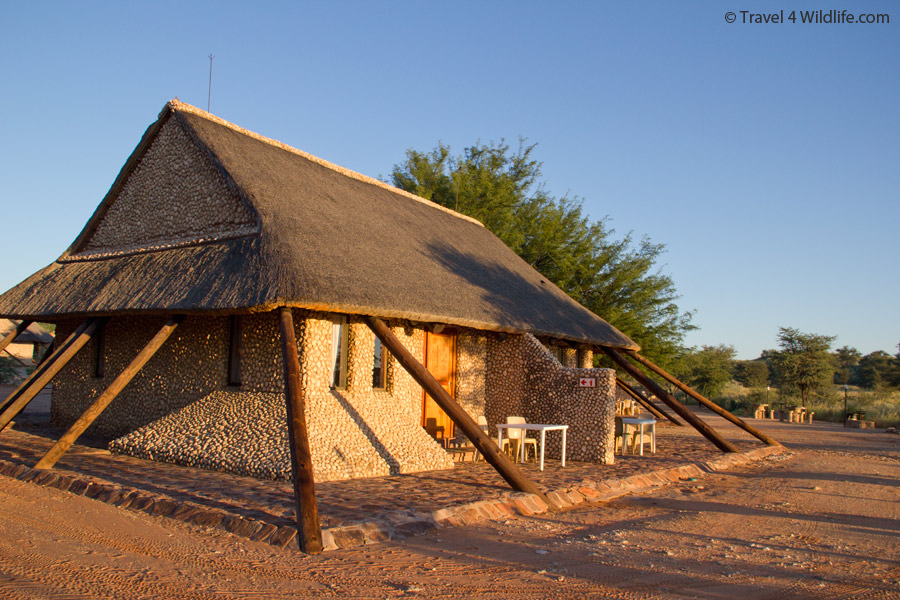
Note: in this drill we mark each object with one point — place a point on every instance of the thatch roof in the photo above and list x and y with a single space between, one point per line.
33 334
326 239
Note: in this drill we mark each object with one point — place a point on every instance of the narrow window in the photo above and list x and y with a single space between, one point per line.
379 366
100 357
340 337
234 350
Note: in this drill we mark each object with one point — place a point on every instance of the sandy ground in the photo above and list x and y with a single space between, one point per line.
822 522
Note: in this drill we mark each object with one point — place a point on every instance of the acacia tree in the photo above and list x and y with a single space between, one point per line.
751 373
846 365
706 370
803 362
617 279
878 369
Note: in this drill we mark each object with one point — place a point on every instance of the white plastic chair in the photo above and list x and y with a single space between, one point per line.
620 439
519 436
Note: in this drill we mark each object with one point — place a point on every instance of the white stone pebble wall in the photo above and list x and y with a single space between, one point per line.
173 196
524 379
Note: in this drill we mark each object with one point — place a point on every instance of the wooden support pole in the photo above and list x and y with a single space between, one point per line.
484 444
46 355
41 367
309 531
669 400
702 399
645 402
108 395
25 393
7 340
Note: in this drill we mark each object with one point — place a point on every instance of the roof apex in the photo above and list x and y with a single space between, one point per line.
176 105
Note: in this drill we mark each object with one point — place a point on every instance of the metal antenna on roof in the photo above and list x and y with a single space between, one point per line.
209 96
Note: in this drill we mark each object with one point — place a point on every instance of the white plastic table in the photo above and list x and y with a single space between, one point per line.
641 422
543 428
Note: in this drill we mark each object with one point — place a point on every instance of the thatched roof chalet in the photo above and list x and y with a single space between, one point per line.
287 228
34 334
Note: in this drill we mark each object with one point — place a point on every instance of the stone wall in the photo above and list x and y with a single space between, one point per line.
585 358
524 379
190 365
173 196
471 371
180 408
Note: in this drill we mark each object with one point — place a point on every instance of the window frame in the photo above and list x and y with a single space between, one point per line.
382 357
340 360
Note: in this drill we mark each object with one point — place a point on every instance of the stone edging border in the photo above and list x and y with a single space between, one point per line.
396 525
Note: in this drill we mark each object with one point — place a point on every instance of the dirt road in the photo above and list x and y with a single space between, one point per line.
822 522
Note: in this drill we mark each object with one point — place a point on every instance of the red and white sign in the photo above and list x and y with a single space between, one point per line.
587 382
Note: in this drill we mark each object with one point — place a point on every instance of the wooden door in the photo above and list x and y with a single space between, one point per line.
440 360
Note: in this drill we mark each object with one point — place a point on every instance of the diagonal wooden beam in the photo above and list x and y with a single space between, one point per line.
485 445
645 402
20 398
108 395
7 340
701 399
669 400
47 353
309 531
42 366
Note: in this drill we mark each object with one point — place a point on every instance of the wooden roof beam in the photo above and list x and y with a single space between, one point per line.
645 402
670 400
20 328
702 399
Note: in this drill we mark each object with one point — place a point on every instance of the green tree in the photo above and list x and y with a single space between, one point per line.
706 370
8 372
751 373
878 369
803 362
846 363
618 279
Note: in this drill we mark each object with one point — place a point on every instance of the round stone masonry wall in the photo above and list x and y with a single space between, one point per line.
525 379
174 195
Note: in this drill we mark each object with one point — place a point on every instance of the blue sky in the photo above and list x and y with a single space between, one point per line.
765 157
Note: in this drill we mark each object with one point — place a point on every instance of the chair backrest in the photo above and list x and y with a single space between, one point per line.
515 434
482 420
431 427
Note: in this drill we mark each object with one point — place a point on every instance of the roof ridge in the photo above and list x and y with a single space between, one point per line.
176 104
